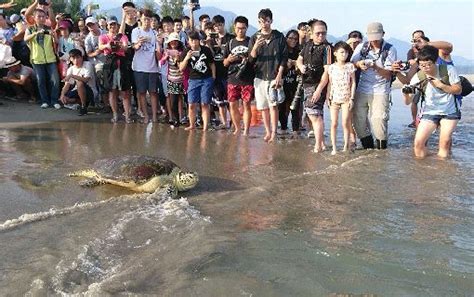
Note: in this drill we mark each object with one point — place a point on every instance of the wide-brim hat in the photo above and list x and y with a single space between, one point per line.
12 62
173 37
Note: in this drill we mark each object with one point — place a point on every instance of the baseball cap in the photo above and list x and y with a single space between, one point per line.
375 31
112 19
91 20
14 18
173 37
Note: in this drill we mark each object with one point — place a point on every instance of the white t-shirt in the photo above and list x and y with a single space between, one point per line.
85 71
25 71
341 82
144 59
436 101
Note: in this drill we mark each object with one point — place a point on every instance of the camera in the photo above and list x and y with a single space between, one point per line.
409 89
196 4
214 35
368 62
404 66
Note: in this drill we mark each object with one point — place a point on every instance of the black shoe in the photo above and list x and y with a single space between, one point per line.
381 144
367 142
82 111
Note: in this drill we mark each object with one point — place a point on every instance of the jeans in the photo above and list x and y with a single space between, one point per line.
48 78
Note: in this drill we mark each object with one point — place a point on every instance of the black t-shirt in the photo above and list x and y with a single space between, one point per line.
130 52
315 57
239 48
221 70
200 65
290 73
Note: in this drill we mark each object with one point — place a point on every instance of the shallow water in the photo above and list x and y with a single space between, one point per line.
265 220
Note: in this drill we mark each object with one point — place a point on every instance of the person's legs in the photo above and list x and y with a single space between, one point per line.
423 133
346 125
113 104
273 122
206 116
127 105
81 91
360 119
194 99
54 83
446 130
379 116
142 104
235 115
41 78
192 116
316 121
334 118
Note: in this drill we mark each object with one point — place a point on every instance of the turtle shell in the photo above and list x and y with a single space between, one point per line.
134 168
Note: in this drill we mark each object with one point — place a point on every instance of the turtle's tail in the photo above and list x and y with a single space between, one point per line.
83 173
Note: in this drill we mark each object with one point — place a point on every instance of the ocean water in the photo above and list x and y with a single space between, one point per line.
265 220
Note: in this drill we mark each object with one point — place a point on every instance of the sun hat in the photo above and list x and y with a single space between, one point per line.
12 62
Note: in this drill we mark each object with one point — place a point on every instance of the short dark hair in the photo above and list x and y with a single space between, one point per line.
186 17
265 13
218 19
193 35
418 31
355 34
425 38
209 26
301 25
103 18
428 53
204 16
75 53
128 4
177 20
315 22
157 17
147 13
345 46
242 20
167 19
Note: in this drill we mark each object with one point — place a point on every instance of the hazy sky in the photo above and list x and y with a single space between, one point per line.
441 20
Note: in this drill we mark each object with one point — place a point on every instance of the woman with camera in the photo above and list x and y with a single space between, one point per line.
439 84
116 73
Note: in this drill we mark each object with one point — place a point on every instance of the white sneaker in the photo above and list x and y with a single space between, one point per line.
57 106
44 105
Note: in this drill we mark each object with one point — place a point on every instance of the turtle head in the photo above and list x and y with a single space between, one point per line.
186 180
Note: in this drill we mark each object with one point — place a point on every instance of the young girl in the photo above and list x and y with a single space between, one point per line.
174 102
340 93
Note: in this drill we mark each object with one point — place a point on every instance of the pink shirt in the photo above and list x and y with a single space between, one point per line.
106 39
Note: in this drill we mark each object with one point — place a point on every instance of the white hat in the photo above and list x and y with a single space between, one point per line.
375 31
173 37
91 20
10 62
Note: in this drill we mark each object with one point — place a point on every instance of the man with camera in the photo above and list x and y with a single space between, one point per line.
439 105
240 75
372 98
270 54
41 40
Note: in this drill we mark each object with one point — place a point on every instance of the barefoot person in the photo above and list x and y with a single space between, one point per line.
439 105
241 75
200 61
270 55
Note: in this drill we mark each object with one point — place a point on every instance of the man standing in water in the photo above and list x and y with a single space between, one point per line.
270 55
372 98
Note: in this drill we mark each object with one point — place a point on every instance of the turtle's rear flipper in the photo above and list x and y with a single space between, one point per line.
90 182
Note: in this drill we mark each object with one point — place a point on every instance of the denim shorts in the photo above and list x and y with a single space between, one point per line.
438 117
146 81
200 90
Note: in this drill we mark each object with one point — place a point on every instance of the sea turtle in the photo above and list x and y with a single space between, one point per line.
139 173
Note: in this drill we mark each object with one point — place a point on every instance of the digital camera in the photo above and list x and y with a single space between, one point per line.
214 35
196 4
404 66
409 89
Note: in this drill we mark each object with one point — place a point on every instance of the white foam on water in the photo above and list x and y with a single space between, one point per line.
100 260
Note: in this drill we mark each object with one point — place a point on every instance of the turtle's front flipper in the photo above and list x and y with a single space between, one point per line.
167 191
91 182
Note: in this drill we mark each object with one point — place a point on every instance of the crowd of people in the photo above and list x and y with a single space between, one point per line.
196 76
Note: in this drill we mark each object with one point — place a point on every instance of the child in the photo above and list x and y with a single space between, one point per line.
340 93
174 102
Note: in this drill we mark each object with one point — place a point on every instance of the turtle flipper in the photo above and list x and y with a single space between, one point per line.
91 182
168 190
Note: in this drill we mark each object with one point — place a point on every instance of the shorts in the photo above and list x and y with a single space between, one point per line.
437 118
263 97
314 109
176 88
146 81
219 97
74 94
236 92
200 90
338 105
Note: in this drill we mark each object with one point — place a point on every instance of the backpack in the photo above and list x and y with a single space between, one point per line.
364 52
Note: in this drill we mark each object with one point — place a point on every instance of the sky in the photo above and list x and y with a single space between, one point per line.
441 20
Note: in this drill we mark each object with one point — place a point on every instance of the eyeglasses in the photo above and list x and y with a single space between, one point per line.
323 33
